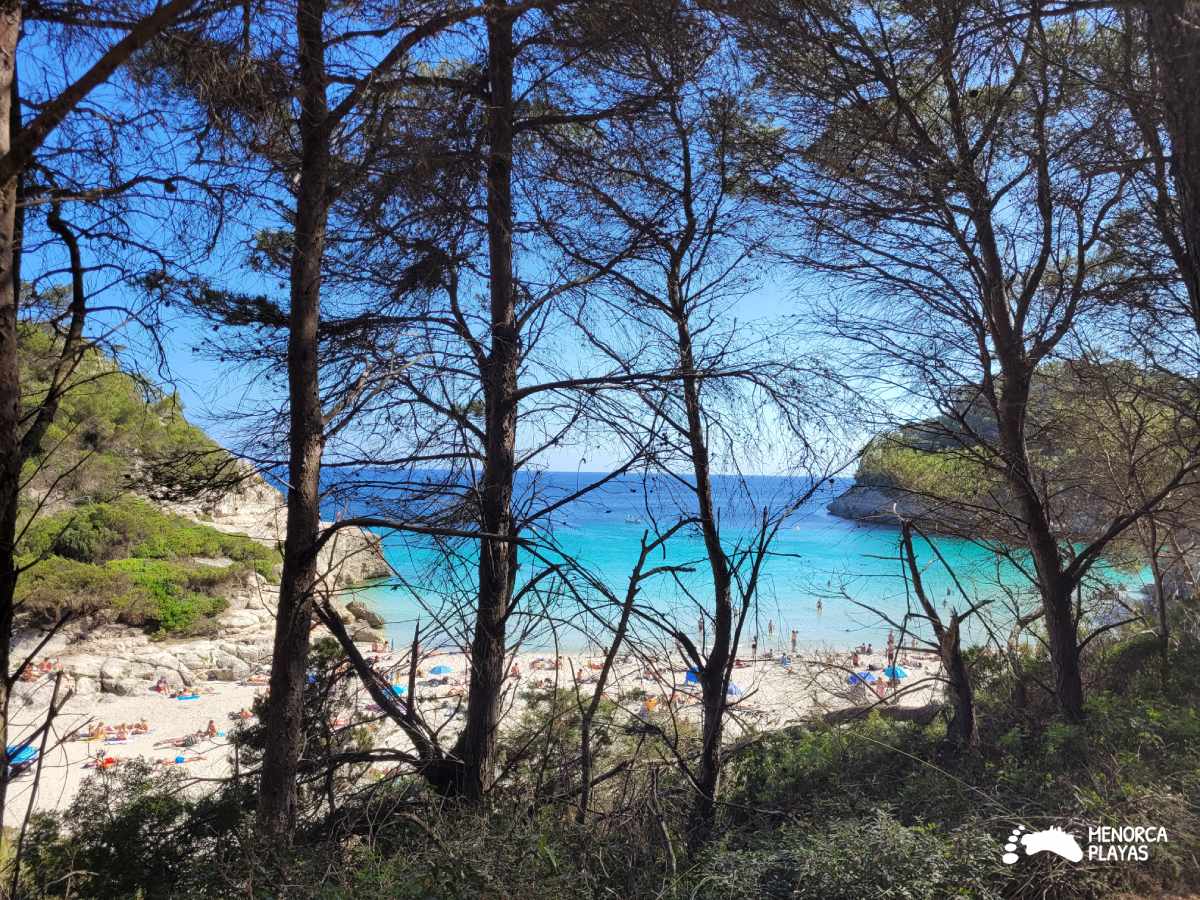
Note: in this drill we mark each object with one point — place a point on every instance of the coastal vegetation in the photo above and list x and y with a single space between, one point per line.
813 811
423 251
131 558
88 544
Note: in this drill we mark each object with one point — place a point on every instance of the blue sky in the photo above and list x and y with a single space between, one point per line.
212 391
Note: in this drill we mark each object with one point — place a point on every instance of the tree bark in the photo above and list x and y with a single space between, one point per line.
1011 397
961 730
10 380
1173 31
284 735
714 675
497 557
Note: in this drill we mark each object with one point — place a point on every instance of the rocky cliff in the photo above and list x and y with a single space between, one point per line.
878 505
98 654
259 511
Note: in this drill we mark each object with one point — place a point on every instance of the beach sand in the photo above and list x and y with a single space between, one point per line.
772 695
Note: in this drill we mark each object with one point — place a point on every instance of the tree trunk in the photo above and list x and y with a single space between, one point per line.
1173 30
714 675
1011 395
284 736
10 382
961 730
497 556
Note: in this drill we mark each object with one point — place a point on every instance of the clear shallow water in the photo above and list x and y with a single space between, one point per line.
814 557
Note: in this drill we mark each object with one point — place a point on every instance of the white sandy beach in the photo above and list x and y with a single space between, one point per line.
771 695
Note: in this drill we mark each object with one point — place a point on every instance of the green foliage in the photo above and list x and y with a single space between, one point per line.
110 427
848 859
889 461
132 832
164 597
1133 761
128 556
129 526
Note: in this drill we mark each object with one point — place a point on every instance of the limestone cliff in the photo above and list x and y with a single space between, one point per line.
259 511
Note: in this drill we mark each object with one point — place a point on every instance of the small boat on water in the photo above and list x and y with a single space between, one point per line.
632 520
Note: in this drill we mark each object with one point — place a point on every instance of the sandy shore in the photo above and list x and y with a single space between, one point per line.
769 694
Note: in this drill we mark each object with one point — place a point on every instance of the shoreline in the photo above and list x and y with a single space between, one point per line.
770 695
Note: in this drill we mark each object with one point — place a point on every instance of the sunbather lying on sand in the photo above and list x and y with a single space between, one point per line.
177 760
188 740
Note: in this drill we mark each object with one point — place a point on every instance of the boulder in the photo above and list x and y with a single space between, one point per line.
241 618
114 669
364 613
126 687
369 636
227 667
82 665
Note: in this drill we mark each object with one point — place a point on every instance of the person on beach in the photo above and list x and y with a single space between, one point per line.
796 635
854 659
754 647
770 628
211 730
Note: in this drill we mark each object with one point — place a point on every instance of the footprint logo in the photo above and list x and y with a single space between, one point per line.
1010 848
1051 840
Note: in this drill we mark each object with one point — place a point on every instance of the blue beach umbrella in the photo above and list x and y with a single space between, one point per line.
894 672
862 678
441 670
399 690
733 690
692 677
20 755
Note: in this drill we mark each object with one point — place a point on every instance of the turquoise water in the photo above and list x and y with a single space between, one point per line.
817 567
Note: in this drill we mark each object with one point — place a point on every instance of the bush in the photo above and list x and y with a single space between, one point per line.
166 597
849 859
111 427
132 832
130 527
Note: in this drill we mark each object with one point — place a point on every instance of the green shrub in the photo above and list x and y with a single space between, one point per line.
129 526
132 832
165 597
111 429
850 859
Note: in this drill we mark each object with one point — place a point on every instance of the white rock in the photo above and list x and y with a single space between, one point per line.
82 665
240 618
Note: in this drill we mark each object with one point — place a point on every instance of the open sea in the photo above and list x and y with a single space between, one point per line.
817 572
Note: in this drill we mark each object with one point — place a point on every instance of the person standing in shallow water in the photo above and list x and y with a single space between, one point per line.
795 635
